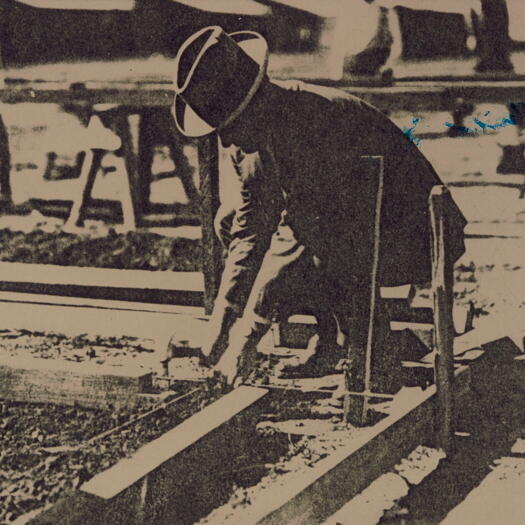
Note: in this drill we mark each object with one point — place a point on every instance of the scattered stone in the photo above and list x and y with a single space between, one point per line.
419 464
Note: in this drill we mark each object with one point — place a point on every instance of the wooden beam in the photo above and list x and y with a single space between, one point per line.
64 382
152 328
100 304
184 288
127 125
170 478
5 168
367 453
442 285
211 247
438 94
356 408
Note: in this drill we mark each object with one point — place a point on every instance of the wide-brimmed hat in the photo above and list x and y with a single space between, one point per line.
216 76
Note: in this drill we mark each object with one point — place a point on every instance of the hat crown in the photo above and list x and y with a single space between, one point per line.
214 74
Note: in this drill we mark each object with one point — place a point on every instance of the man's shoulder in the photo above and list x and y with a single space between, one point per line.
331 94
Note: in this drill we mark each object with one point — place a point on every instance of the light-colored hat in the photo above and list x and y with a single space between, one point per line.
216 76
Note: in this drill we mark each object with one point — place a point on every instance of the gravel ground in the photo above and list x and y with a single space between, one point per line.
132 251
46 345
33 473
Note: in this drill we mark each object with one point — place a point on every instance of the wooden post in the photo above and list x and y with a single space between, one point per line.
5 156
442 286
211 247
356 407
493 40
5 169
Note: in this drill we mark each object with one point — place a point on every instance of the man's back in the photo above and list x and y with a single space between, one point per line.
320 145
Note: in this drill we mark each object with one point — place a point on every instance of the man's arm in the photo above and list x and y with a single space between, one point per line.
255 220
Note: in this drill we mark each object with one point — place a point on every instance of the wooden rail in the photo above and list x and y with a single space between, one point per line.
401 95
152 485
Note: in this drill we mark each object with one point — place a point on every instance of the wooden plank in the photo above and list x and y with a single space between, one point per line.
184 288
418 93
442 286
516 180
133 204
111 482
64 382
100 304
212 249
156 326
404 292
183 470
323 489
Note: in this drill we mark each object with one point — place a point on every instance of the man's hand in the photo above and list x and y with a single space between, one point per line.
217 333
202 338
187 341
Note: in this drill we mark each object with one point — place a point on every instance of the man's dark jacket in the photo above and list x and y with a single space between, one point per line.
315 158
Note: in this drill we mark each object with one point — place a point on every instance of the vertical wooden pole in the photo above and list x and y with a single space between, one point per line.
361 404
211 247
493 39
442 286
5 169
5 155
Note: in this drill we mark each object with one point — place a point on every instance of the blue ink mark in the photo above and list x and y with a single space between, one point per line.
462 129
505 121
509 120
409 132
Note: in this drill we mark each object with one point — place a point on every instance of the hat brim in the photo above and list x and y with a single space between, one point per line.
187 120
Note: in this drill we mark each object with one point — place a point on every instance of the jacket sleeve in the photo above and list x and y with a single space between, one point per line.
257 213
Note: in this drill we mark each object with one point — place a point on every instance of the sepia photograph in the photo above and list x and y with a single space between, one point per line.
262 262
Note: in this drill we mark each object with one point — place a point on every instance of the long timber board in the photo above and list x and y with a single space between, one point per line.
164 287
402 95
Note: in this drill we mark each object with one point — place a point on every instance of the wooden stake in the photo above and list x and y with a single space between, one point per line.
209 185
442 286
5 155
360 404
5 169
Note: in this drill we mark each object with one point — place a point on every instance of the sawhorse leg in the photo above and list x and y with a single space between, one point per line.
90 167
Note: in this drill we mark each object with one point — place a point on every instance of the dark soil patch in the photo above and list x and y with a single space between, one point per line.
132 251
32 474
31 477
